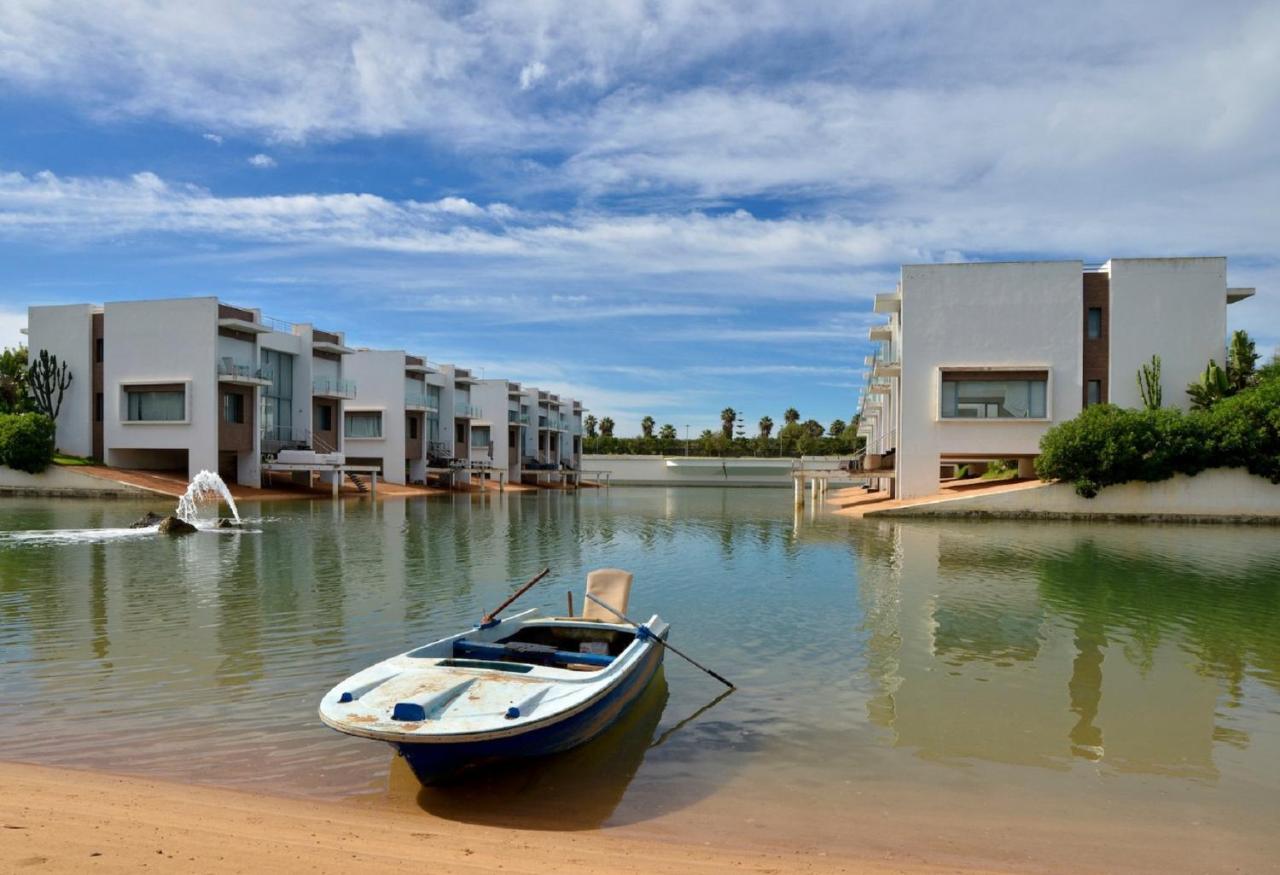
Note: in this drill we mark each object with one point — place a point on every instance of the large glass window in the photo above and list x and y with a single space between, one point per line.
991 398
480 436
433 427
1095 323
156 405
277 399
363 423
433 397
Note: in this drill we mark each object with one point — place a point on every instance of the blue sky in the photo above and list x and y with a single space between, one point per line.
658 207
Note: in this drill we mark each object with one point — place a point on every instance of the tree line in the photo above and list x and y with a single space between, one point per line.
795 438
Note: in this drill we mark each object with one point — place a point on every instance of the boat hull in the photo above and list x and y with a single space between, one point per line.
439 762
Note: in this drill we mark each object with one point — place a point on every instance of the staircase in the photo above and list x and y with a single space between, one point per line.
358 481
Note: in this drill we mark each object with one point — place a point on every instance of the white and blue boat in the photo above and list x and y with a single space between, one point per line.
520 686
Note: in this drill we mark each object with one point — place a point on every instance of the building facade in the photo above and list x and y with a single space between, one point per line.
191 384
975 362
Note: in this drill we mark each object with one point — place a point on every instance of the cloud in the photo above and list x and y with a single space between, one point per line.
213 138
262 161
531 74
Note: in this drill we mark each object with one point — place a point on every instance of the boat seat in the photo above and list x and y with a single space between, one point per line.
613 587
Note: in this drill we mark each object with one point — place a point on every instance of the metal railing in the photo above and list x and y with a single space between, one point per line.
514 416
333 388
229 368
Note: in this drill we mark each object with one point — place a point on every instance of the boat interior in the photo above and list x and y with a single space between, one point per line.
565 642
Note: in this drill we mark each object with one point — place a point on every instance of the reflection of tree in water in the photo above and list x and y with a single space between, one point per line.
1229 618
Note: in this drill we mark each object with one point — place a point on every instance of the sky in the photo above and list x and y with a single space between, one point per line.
660 208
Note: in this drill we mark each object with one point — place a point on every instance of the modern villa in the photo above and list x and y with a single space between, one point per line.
194 383
975 362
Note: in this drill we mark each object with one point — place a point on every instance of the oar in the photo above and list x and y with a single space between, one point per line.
671 647
489 617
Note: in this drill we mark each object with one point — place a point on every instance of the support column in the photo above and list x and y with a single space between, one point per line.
799 483
373 481
1026 468
336 479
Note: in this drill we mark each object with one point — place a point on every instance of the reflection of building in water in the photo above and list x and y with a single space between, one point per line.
1032 645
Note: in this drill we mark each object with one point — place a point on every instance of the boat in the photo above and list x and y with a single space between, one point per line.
519 686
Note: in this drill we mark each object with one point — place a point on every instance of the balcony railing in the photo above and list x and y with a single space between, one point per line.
230 368
419 399
333 388
466 411
515 416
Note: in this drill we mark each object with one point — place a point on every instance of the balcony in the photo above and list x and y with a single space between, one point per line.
420 401
517 418
231 371
466 411
323 387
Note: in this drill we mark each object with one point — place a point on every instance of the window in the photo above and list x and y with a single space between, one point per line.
277 399
433 429
97 407
411 424
994 395
1094 328
480 437
233 408
324 418
1095 392
156 405
363 423
433 397
97 350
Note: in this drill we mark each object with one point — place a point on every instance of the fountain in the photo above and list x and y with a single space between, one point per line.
204 485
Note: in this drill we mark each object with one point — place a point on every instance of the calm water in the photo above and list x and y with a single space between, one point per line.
1077 671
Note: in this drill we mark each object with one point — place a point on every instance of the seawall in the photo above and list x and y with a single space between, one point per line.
65 482
699 470
1219 495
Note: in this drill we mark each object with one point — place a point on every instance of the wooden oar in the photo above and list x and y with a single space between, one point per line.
685 657
489 617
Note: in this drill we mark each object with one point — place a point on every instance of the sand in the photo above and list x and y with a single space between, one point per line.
59 820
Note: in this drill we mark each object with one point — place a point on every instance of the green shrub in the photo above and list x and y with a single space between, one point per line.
26 441
1106 445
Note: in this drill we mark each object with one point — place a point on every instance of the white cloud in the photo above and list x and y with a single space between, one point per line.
11 324
262 161
216 139
531 74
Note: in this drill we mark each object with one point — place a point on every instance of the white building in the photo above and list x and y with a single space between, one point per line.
192 383
976 362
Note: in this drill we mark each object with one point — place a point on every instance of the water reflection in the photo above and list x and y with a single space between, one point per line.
1131 647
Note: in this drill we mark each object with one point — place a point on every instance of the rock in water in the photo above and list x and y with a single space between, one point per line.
147 521
226 524
171 525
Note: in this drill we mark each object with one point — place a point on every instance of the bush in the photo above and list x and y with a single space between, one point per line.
26 441
1106 445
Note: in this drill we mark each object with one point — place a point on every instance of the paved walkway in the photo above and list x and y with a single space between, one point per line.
857 503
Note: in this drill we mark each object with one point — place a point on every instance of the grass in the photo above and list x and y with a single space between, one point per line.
70 461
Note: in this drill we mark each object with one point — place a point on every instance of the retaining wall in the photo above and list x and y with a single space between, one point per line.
64 482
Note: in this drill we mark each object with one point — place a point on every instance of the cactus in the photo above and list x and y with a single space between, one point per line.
1149 384
1212 387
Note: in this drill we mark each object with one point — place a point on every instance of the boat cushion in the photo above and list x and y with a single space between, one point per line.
613 587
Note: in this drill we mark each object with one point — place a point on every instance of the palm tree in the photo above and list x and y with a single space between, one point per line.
590 423
727 416
646 426
837 428
667 433
606 427
766 427
1242 361
813 428
792 416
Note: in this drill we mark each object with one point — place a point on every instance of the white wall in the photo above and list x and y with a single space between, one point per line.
1025 314
491 397
165 341
67 332
1172 307
689 471
1218 492
379 376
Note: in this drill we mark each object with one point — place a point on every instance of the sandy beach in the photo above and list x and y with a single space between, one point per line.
62 820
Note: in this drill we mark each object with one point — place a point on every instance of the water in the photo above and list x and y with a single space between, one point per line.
203 488
983 692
